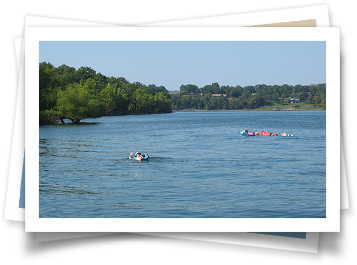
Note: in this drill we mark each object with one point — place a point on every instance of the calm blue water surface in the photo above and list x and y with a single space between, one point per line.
200 166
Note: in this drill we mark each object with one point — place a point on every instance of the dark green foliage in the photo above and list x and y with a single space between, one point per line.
249 97
76 103
67 93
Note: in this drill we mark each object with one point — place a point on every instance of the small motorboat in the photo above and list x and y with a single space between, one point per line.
139 156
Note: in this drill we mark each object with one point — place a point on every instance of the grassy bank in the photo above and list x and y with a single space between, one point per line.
296 106
272 107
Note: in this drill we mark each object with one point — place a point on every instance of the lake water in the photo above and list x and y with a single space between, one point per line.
199 167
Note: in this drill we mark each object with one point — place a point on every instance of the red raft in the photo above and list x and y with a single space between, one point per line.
246 133
267 134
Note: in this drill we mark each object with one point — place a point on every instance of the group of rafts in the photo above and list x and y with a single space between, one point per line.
140 157
262 133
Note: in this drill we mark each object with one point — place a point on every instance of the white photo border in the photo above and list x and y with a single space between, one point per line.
33 35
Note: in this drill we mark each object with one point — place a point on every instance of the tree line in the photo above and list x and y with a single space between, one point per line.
248 97
69 93
76 94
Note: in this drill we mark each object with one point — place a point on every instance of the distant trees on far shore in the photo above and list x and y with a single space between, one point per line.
76 94
214 96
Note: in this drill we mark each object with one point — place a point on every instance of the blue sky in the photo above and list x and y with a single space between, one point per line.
172 64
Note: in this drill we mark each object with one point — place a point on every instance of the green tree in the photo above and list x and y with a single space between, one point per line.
157 89
235 92
206 90
84 73
92 86
185 102
47 94
275 97
302 96
162 102
323 103
317 99
76 103
189 89
310 99
64 75
216 89
49 116
122 102
108 96
140 100
46 71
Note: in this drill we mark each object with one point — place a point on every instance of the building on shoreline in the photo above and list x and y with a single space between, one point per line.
294 100
175 92
219 95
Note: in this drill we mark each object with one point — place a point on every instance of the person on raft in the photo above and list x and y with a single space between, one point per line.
266 133
250 133
262 133
286 134
138 155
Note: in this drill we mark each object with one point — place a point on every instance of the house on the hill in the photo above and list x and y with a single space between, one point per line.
219 95
176 92
294 100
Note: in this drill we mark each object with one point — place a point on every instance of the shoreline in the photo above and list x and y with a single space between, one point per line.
285 109
189 110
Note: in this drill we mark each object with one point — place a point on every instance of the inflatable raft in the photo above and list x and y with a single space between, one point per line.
247 133
138 156
258 133
285 134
